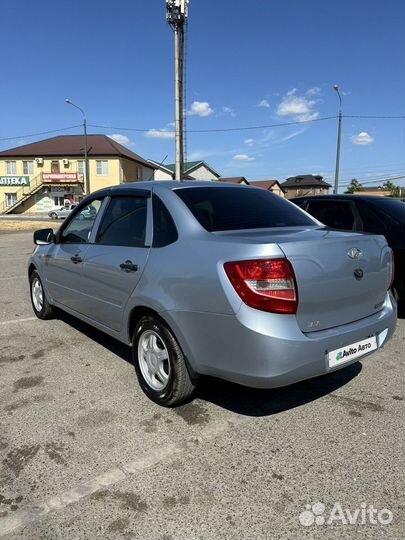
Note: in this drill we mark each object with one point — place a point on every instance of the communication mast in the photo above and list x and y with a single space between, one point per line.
176 16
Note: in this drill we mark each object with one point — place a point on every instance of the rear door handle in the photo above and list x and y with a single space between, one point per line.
129 266
76 259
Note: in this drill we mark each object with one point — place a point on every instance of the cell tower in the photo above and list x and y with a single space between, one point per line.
176 16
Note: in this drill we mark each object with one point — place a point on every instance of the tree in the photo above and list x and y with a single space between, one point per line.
354 186
392 188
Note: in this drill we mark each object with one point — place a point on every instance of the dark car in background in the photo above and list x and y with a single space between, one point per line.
365 213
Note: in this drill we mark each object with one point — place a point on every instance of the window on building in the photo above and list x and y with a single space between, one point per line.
11 199
55 166
59 201
81 166
11 168
28 167
102 167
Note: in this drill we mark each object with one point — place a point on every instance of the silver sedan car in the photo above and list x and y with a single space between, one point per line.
202 278
62 212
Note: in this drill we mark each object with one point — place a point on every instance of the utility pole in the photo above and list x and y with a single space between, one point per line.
86 156
335 190
176 16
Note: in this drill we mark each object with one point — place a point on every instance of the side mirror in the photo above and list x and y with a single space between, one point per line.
44 237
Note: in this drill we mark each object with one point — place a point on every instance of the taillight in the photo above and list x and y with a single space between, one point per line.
265 284
392 270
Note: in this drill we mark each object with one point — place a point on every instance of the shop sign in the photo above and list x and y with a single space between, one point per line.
14 180
58 177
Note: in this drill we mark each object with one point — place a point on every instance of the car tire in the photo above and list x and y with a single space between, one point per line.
40 305
160 364
53 215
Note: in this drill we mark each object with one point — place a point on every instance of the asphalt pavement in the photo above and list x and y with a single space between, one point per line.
85 455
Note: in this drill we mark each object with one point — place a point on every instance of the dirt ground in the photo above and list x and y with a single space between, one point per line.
23 225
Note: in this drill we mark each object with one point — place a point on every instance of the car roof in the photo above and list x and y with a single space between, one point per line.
161 185
350 196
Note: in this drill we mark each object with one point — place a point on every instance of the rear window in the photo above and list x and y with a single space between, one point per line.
228 209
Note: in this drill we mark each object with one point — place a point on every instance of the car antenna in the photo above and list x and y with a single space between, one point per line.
161 163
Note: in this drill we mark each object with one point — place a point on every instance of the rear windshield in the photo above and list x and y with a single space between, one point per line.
229 209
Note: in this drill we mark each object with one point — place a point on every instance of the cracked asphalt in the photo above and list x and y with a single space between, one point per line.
85 455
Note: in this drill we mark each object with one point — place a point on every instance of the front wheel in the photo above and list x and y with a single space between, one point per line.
160 364
54 216
42 308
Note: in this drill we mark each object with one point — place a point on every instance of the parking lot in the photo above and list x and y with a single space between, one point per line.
85 455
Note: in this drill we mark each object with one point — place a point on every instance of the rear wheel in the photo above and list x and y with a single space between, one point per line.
40 304
160 364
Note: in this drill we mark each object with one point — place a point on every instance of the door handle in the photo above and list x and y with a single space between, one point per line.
76 259
129 266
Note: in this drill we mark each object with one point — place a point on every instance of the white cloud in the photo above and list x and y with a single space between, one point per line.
264 103
159 134
171 124
242 157
292 135
362 138
314 91
200 108
229 110
299 108
249 142
121 139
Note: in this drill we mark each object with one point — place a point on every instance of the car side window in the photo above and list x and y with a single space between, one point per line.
164 229
335 214
79 229
372 223
124 222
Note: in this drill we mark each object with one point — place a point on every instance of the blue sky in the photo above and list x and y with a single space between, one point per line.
251 63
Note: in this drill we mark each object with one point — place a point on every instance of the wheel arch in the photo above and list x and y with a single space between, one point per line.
141 311
31 269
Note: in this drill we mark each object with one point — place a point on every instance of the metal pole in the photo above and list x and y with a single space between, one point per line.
335 191
179 51
86 159
336 188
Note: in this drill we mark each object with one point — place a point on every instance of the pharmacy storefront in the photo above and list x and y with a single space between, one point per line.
20 194
10 186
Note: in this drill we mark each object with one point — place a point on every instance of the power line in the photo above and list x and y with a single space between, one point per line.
247 128
214 130
217 130
375 117
39 133
382 180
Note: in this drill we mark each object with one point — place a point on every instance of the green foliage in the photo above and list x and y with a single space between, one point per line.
354 186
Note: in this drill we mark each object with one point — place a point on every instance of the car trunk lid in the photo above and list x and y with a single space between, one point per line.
341 277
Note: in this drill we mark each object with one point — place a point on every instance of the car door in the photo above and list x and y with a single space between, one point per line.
63 212
114 263
63 265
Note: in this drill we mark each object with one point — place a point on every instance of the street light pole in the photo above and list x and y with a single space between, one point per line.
335 191
86 157
176 15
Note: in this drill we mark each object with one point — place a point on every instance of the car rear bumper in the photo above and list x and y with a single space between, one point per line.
267 350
